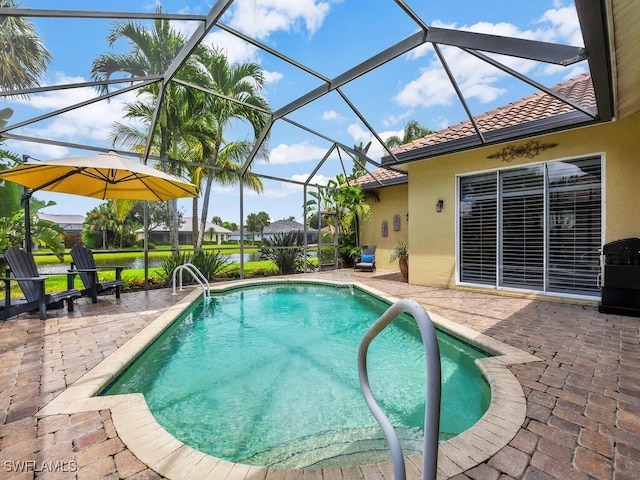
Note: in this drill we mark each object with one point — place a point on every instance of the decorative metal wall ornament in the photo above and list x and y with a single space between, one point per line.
528 150
396 223
385 228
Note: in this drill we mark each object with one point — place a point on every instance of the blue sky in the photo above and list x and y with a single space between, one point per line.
328 36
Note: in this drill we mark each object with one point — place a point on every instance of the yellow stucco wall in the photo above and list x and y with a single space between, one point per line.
393 200
432 235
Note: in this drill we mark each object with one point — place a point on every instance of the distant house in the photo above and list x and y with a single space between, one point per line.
160 233
277 227
72 225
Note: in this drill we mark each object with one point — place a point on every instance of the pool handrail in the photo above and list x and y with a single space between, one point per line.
196 274
432 394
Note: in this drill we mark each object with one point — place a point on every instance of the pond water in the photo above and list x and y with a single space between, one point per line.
53 266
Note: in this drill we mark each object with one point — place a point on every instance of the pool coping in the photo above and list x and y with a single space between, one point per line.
149 442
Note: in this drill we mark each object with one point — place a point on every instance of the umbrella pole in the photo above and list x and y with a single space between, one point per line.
145 216
25 200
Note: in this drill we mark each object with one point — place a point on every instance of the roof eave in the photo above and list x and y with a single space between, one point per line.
386 183
547 125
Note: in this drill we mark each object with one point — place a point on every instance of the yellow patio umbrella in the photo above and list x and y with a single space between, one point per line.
103 176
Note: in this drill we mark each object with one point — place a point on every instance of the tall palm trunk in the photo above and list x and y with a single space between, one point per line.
194 225
173 204
205 199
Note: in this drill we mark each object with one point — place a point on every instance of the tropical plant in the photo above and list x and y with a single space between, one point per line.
12 220
239 86
152 53
97 224
263 221
10 193
286 250
412 131
350 204
23 57
253 225
210 264
358 168
44 233
400 250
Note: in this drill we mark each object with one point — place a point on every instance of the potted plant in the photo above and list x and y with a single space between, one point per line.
401 253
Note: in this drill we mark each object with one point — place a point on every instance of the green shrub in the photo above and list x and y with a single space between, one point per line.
286 250
210 263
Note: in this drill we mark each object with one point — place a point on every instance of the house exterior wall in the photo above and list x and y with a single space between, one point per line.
432 236
393 201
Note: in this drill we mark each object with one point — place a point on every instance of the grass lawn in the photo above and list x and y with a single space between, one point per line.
134 278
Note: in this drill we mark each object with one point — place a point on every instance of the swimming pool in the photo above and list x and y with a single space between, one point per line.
291 352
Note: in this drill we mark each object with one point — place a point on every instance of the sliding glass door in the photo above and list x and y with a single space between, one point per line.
535 228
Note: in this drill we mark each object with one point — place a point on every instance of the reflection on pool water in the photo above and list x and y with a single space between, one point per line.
268 376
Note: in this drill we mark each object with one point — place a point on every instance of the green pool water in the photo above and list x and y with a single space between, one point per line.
268 376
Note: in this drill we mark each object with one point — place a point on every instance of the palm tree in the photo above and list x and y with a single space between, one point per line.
263 221
99 219
242 83
230 158
23 57
412 131
253 225
152 52
358 169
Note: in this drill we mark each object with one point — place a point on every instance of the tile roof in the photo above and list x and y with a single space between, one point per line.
185 227
285 226
535 107
529 109
382 175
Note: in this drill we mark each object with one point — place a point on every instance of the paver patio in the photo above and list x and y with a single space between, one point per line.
583 398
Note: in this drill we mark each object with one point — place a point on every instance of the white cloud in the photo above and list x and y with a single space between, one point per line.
263 17
280 190
236 49
285 154
565 25
376 150
91 124
477 79
330 115
272 77
359 134
317 179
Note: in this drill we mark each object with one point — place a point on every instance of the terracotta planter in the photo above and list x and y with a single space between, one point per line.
403 261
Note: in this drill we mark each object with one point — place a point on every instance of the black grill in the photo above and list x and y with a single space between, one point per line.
621 286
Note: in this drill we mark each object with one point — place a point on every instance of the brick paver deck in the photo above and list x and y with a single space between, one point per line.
583 398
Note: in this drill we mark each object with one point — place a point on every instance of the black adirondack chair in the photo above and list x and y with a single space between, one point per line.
32 284
85 265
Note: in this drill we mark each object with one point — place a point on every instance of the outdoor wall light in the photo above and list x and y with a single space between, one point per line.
439 205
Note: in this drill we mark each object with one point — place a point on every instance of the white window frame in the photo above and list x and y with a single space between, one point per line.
497 171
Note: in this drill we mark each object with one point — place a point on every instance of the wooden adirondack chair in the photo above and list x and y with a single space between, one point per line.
85 265
32 284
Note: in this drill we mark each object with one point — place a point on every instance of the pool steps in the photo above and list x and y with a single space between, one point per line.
347 448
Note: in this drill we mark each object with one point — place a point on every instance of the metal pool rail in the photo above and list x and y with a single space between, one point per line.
432 394
196 274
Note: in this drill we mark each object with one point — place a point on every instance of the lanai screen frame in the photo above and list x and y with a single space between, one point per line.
592 15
